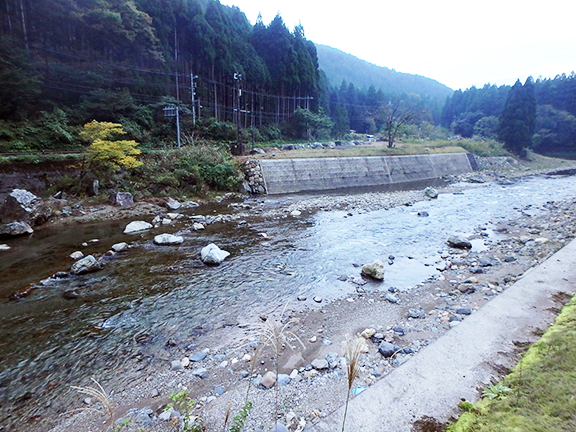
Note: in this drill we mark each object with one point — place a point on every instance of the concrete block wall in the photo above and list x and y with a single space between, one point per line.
299 175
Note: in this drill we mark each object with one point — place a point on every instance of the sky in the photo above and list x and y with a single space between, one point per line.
459 43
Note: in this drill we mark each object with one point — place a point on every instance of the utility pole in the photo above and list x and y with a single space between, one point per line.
177 84
238 81
193 86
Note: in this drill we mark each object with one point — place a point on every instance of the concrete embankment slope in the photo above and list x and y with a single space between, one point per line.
465 359
299 175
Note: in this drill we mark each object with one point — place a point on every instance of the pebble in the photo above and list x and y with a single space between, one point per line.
416 313
391 298
283 379
368 333
318 299
165 416
319 364
247 357
176 365
198 356
200 372
464 311
185 362
268 380
313 339
302 298
4 247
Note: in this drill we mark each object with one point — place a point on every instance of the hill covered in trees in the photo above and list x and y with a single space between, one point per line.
483 112
67 62
340 66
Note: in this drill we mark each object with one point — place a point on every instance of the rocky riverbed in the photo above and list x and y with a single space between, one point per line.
224 366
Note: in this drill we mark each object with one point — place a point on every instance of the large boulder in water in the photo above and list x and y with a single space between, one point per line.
15 229
168 239
23 206
212 254
137 226
375 270
88 264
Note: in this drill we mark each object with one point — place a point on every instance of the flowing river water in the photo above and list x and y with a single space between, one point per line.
126 315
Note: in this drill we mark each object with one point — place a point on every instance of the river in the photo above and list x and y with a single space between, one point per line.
126 315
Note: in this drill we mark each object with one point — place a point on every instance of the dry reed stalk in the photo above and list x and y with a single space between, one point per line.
353 352
98 394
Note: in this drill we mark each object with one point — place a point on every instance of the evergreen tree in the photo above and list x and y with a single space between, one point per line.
518 118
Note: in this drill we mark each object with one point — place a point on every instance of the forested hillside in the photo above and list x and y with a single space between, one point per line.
67 62
481 112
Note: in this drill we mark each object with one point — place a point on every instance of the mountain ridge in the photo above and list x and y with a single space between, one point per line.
339 66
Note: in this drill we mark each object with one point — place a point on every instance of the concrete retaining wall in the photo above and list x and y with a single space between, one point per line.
299 175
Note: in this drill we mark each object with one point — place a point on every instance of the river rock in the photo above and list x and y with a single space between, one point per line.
197 226
283 380
430 192
76 255
417 313
172 204
200 372
374 270
368 333
387 349
23 206
268 380
85 265
279 427
391 298
176 365
4 247
320 364
459 242
137 226
198 356
212 254
168 239
15 229
119 247
122 199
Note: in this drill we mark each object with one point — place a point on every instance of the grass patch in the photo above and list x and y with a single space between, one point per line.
542 387
371 149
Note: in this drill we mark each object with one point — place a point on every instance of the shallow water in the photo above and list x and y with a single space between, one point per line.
125 314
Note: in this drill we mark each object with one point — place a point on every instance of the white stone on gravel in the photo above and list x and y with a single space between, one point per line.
119 247
212 254
168 239
137 226
76 255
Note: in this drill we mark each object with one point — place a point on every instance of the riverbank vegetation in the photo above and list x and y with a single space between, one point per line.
539 395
